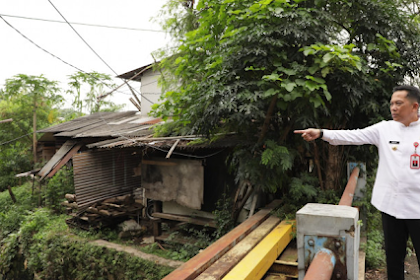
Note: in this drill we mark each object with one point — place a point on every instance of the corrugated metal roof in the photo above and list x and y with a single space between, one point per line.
132 73
86 121
57 157
129 129
105 124
166 143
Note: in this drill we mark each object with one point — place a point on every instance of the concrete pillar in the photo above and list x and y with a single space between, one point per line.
334 227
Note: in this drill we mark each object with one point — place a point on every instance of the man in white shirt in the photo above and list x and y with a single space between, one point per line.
396 192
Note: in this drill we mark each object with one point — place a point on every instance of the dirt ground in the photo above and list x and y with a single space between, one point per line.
411 267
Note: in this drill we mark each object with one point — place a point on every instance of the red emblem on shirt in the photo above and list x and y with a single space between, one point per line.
415 158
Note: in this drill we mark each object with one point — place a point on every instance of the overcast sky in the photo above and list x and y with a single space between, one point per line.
123 50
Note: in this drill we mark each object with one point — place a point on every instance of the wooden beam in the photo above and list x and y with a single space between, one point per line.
64 160
157 225
172 148
135 103
222 266
195 266
158 162
6 120
260 259
289 269
179 218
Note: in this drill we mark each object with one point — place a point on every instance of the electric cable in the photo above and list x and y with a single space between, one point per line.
184 154
7 142
46 51
106 123
87 44
86 24
38 46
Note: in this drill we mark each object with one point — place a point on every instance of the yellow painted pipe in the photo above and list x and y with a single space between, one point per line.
255 265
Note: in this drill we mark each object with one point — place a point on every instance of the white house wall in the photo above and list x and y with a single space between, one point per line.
150 91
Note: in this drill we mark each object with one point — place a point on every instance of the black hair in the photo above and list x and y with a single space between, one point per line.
413 93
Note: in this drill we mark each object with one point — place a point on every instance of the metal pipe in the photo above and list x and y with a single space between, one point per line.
322 266
347 197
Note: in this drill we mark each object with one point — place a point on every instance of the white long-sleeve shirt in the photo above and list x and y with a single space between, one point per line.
397 186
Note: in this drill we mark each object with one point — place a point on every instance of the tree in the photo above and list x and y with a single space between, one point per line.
35 92
95 84
263 68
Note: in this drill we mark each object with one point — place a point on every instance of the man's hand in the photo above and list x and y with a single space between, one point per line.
309 134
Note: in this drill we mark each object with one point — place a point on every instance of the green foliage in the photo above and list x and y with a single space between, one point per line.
12 215
301 191
25 99
57 187
375 252
276 156
93 86
303 187
44 242
32 91
264 68
15 159
10 220
223 216
196 238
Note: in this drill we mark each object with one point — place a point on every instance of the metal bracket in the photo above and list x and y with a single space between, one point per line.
337 245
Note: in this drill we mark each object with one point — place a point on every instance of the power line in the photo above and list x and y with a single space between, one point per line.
87 44
80 36
38 46
131 88
7 142
53 55
86 24
105 122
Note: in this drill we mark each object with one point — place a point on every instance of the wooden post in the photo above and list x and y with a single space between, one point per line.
34 135
157 225
11 194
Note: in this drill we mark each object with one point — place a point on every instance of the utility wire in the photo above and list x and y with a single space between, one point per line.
53 55
65 63
38 46
93 49
87 44
86 24
7 142
125 82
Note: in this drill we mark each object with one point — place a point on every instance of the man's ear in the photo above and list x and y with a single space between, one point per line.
416 106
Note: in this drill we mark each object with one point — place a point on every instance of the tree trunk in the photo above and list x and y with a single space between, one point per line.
333 167
318 166
268 118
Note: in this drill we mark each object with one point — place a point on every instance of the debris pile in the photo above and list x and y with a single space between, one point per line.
107 212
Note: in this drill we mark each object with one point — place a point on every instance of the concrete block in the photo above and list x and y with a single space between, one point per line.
325 220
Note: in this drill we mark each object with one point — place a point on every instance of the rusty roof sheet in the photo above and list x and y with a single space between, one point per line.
184 143
138 72
105 124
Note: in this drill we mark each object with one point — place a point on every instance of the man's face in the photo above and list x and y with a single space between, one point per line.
402 109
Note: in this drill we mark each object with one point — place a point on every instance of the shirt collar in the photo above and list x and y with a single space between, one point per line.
415 123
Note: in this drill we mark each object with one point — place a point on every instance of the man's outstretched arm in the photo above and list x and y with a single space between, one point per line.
310 134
